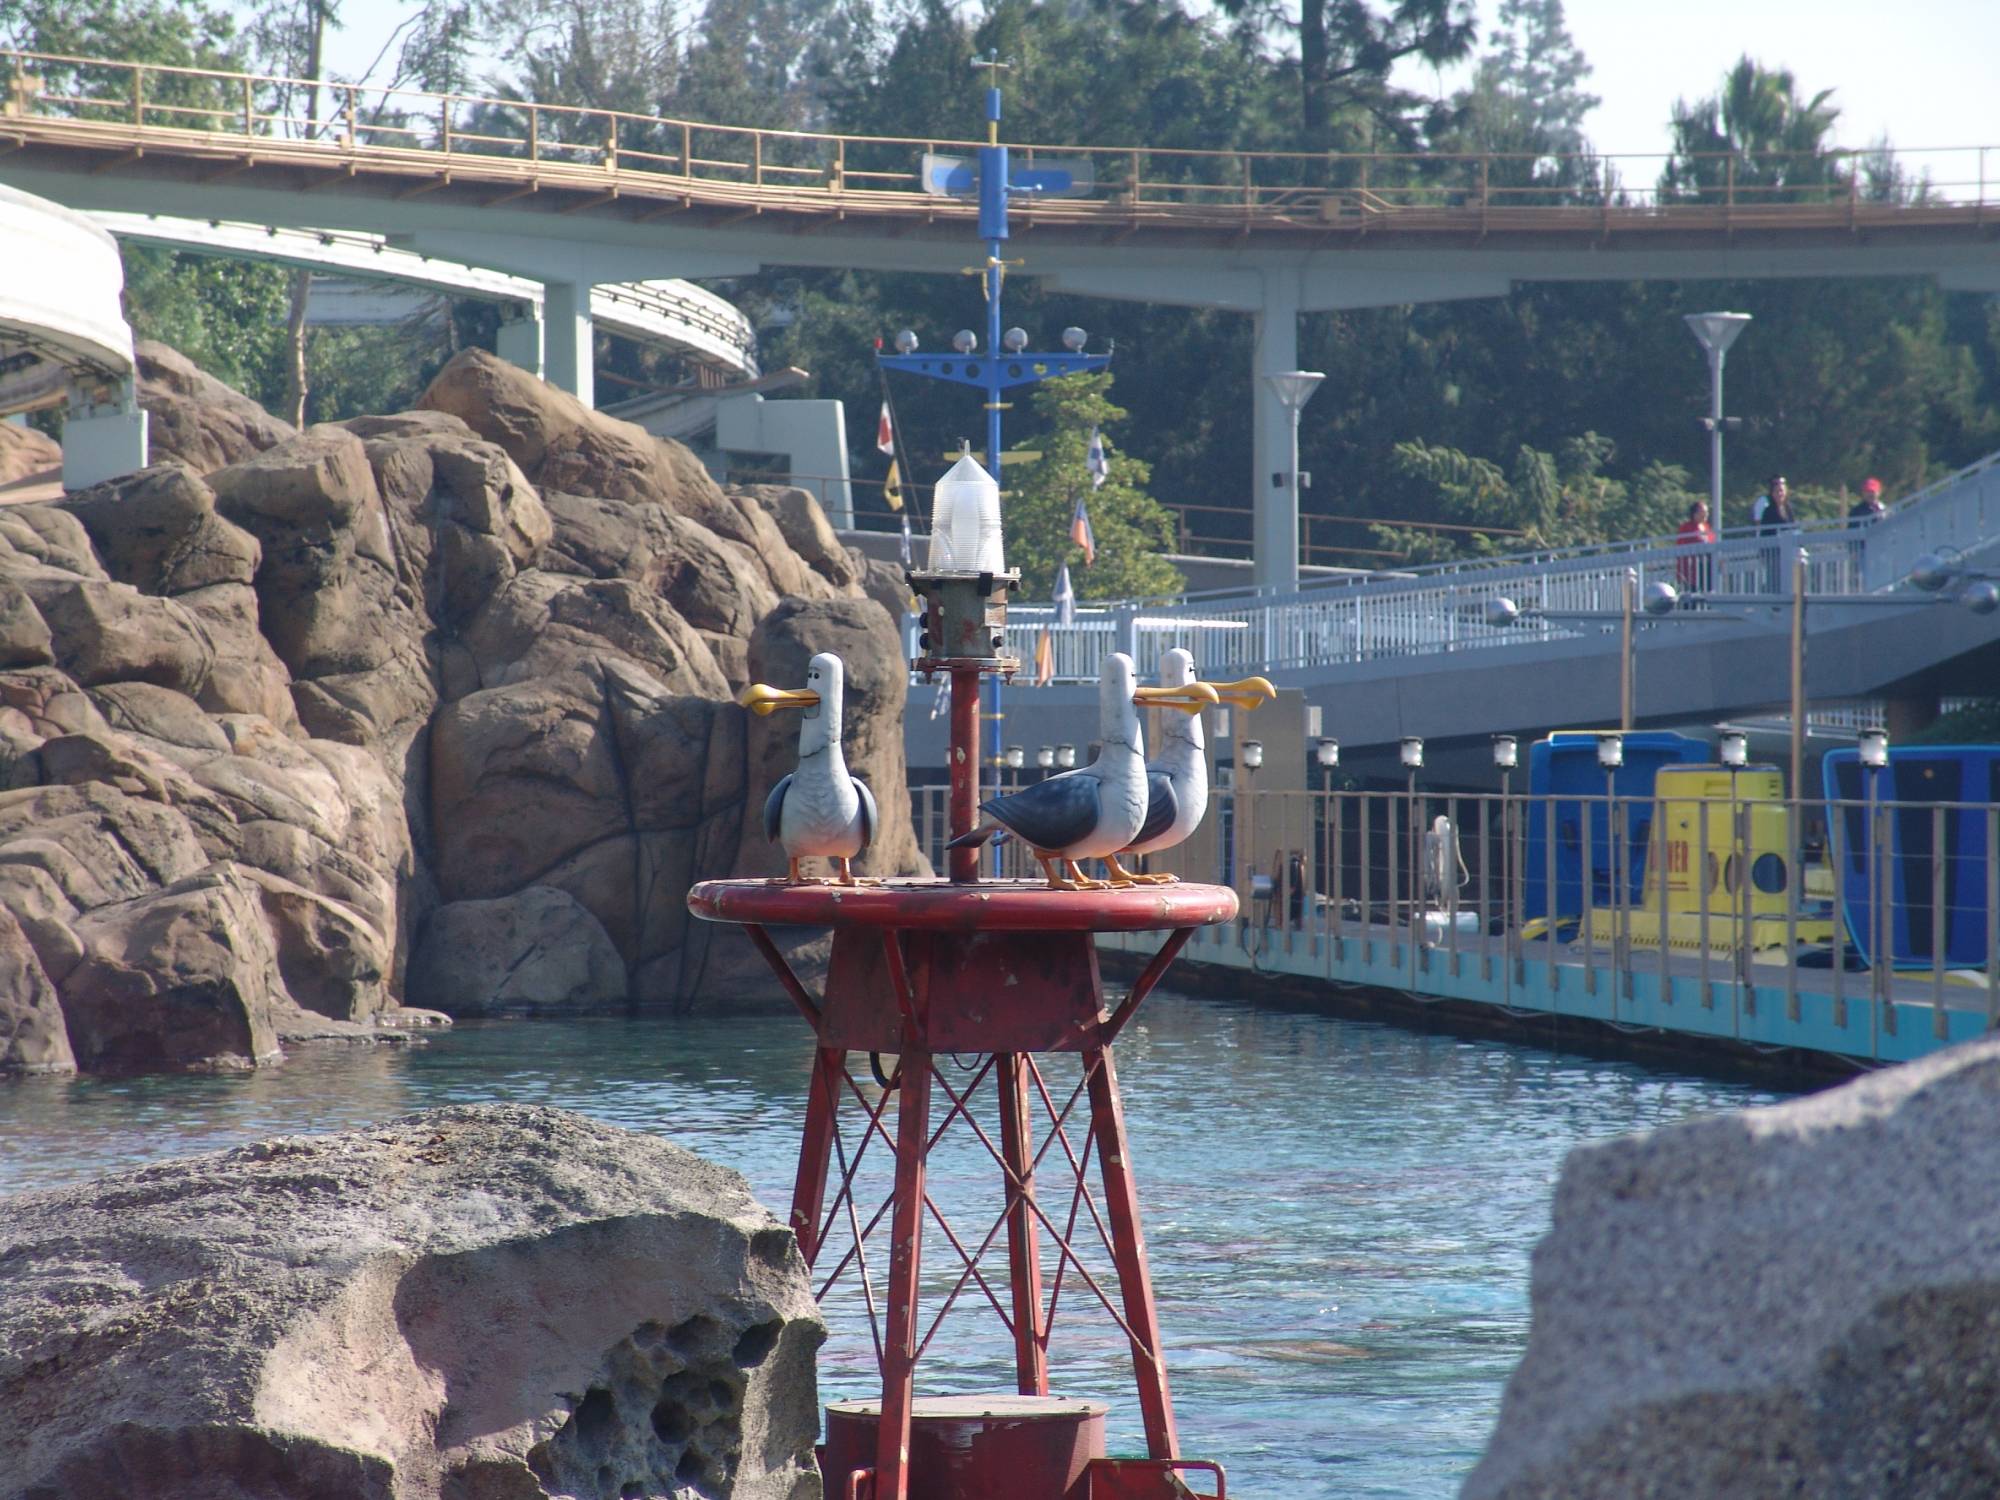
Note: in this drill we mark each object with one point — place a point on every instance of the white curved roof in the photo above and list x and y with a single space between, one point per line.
672 314
60 295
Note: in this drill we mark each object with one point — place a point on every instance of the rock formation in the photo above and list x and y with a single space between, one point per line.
442 697
1798 1300
481 1303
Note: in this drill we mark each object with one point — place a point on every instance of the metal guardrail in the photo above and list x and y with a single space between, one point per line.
570 148
1795 897
1441 609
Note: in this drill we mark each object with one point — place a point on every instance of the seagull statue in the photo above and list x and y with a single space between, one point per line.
1098 809
1177 779
819 809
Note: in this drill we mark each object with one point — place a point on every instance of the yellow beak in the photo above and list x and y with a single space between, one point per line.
1191 699
765 701
1248 694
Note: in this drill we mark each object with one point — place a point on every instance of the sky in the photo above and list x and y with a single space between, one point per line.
1921 71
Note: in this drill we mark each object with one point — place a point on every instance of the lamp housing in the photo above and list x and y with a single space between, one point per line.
1014 757
906 341
1327 753
1875 748
1506 752
1611 751
1045 756
1734 748
1066 757
1411 752
1251 753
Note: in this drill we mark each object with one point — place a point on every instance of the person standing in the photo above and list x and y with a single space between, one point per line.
1693 569
1869 507
1770 515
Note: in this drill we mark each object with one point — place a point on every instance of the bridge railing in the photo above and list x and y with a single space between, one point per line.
872 173
1445 608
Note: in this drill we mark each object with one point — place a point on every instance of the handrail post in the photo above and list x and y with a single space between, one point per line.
839 183
249 108
534 133
687 149
756 158
444 124
611 142
139 94
353 136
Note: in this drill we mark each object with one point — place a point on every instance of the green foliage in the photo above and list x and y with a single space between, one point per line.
1758 135
1131 528
1559 499
1977 723
228 316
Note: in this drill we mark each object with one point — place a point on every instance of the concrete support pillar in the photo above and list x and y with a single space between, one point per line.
102 439
1274 493
519 341
566 339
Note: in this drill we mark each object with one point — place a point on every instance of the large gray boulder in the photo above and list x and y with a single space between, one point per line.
536 950
195 419
482 1303
1795 1301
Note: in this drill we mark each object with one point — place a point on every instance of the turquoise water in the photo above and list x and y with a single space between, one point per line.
1339 1215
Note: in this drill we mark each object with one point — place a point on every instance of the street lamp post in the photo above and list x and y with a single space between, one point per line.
1881 930
1249 756
1611 755
1293 388
1327 753
1411 753
1716 331
1506 756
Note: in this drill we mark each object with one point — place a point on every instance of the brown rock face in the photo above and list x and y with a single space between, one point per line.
24 451
158 531
276 717
195 419
535 950
32 1037
467 1304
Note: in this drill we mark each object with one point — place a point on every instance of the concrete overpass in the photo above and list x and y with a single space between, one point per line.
573 198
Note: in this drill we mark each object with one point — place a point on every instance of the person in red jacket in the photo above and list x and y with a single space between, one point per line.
1693 569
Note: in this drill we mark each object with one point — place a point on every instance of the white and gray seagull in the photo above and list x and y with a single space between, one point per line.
1098 809
819 809
1177 778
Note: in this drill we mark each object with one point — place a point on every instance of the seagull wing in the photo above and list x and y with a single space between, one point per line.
774 807
1162 807
870 818
1051 814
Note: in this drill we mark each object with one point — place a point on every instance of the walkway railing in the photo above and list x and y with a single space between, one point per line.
1442 609
1768 926
562 146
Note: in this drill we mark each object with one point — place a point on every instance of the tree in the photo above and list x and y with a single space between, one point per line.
1560 499
1131 529
1346 52
1757 135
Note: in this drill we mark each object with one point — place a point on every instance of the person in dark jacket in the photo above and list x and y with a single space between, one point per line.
1869 507
1770 515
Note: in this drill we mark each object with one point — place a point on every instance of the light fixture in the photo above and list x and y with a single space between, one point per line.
1611 751
906 341
1251 753
1294 388
965 341
1716 330
1014 340
1502 612
1015 757
1875 748
1074 339
965 521
1066 757
1412 752
1933 572
1045 756
1734 748
1662 598
1327 753
1506 752
1981 598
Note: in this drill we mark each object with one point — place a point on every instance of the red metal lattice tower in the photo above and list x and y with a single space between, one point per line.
1006 972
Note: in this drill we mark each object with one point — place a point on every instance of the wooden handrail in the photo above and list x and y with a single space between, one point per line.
1234 181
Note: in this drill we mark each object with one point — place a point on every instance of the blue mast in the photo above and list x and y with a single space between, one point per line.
998 370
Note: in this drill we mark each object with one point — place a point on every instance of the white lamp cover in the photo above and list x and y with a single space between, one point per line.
965 521
1253 753
1412 752
1735 748
1295 387
1717 330
1506 751
1874 748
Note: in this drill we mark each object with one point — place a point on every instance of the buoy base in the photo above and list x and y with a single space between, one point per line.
1000 1447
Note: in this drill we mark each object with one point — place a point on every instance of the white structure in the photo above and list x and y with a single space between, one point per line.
59 307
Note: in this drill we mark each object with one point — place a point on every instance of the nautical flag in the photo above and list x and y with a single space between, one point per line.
1079 532
1065 597
941 705
1045 658
905 546
885 435
892 491
1095 461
